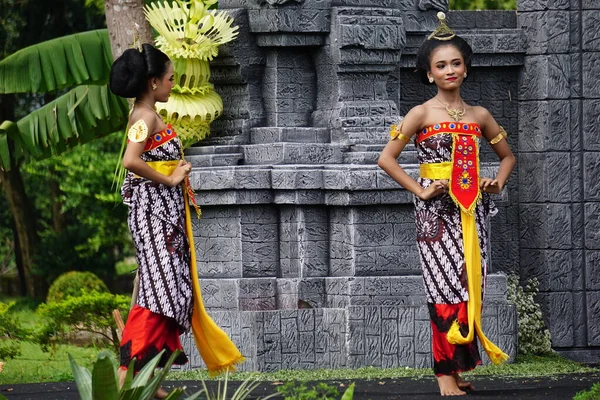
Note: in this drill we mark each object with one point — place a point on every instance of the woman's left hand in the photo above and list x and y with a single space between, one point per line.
489 185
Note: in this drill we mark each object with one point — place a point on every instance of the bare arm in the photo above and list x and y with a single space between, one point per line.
388 158
133 162
491 129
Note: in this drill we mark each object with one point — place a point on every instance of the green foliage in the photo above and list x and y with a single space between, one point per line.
96 235
102 381
82 58
90 312
483 5
592 394
74 284
321 391
534 337
10 329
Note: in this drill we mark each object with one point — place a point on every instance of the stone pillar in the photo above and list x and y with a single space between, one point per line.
362 49
559 109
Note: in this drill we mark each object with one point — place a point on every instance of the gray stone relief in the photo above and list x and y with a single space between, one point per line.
297 214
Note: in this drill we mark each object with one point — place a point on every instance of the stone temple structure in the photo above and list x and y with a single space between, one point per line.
306 249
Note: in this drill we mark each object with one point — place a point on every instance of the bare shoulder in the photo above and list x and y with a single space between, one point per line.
481 113
413 120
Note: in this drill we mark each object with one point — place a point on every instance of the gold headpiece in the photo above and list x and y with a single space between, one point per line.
442 32
137 41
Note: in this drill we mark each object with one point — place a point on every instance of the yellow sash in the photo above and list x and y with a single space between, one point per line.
216 349
443 170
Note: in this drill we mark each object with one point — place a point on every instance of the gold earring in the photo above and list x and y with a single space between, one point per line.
154 86
430 79
465 75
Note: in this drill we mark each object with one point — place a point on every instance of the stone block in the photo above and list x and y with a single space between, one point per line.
542 177
590 32
555 306
541 5
545 77
592 225
591 63
591 125
591 178
545 226
546 32
552 268
540 124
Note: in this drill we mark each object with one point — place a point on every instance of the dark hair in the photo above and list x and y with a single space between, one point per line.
130 72
427 48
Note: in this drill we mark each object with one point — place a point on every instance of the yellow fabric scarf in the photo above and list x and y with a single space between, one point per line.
216 349
472 251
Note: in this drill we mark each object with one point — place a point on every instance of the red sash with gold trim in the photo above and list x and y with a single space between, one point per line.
158 139
464 180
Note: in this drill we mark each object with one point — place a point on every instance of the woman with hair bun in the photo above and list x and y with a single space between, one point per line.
168 303
452 204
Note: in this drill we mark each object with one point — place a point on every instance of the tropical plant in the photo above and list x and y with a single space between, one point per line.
84 113
190 33
321 391
102 382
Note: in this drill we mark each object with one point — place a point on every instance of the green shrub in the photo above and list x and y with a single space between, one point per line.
592 394
10 329
90 312
534 337
74 283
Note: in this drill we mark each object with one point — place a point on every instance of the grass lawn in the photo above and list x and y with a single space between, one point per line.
531 366
33 365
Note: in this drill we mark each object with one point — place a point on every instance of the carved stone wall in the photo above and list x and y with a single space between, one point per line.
296 212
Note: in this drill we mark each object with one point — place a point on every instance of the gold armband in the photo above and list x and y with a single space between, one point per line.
499 137
396 132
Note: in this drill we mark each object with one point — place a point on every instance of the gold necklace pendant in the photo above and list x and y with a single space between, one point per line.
453 113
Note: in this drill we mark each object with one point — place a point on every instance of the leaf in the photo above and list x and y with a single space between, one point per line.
152 388
77 117
349 393
79 59
83 379
104 378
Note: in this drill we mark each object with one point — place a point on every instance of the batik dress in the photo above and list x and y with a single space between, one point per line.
157 223
440 243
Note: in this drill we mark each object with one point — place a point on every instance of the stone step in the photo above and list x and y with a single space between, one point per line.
201 150
215 160
289 135
294 153
371 157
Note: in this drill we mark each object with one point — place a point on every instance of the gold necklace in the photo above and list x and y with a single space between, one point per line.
454 113
147 105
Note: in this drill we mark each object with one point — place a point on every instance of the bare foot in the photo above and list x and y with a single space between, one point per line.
462 384
161 393
121 373
448 386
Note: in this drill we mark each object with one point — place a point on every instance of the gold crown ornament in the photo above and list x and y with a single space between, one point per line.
442 32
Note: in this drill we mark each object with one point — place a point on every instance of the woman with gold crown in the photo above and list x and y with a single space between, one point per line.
452 204
169 301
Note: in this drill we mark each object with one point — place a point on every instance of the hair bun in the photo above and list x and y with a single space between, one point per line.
128 74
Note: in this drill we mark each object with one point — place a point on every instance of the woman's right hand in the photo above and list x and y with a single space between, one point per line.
180 173
435 189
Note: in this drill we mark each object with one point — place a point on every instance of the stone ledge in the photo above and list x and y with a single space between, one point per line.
358 336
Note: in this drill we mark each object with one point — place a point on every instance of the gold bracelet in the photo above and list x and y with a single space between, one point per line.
499 137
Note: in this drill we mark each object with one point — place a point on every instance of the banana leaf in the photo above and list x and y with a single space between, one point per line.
79 59
104 378
77 117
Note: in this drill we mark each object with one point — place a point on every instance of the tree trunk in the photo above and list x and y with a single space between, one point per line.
23 215
121 19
